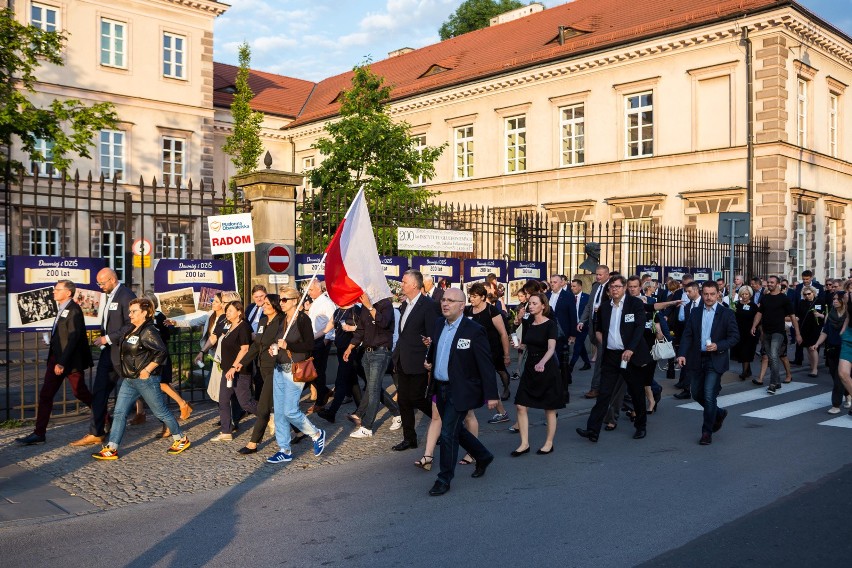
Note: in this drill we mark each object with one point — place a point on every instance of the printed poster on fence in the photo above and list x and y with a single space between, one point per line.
702 274
475 270
30 281
675 272
446 272
651 270
306 266
185 288
519 272
394 267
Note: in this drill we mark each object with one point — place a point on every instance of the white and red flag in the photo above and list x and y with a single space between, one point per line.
352 264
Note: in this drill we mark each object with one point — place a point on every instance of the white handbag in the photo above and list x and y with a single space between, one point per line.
662 350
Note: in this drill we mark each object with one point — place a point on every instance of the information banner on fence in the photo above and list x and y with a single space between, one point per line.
231 233
306 265
519 272
442 270
702 274
476 269
411 238
651 270
185 288
675 272
30 281
394 267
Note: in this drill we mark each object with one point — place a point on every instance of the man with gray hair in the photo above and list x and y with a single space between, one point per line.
322 321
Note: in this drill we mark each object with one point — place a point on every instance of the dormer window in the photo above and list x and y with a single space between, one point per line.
433 70
230 89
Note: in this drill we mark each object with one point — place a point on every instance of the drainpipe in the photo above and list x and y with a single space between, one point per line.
749 144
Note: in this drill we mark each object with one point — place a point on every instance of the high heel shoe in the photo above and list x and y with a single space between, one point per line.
424 463
516 453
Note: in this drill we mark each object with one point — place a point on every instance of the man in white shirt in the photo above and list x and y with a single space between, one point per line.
322 322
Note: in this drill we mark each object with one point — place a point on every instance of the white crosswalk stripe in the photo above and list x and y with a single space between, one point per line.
781 411
844 421
750 396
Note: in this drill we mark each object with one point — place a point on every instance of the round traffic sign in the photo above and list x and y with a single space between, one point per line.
279 258
141 247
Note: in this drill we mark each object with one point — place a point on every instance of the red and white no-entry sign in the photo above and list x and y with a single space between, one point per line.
279 258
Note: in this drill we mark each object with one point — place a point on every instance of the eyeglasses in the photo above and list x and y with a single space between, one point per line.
102 284
134 310
449 301
615 286
282 300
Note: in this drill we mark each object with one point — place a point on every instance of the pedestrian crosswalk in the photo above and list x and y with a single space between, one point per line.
782 407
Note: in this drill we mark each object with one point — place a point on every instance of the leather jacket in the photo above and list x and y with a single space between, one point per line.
141 346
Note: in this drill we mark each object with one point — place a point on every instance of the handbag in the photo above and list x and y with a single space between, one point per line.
303 371
662 350
215 374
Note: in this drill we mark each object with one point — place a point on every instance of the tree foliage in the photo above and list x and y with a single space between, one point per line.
69 124
366 149
243 144
474 15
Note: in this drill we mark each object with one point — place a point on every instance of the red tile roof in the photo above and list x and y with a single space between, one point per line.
273 94
530 41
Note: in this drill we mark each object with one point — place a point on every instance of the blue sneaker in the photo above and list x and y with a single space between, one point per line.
280 457
319 443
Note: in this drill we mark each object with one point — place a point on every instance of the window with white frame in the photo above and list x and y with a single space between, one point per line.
419 145
639 124
113 251
308 164
111 150
174 58
113 43
174 161
516 144
44 17
572 128
802 113
44 242
831 260
45 165
464 151
174 245
801 243
833 111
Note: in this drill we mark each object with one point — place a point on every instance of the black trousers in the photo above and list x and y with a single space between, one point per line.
106 379
412 396
264 408
320 354
610 372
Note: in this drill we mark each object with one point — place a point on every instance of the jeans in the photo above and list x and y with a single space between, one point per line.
772 343
454 434
150 391
106 380
832 361
285 400
705 387
375 364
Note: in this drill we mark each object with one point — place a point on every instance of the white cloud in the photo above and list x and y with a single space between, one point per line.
272 43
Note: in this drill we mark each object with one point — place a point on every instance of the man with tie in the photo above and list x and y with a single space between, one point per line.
578 338
463 377
623 351
680 314
710 333
587 322
560 299
114 325
253 313
68 356
416 322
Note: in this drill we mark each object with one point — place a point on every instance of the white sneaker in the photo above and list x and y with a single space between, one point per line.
271 424
848 402
834 410
396 423
361 433
222 438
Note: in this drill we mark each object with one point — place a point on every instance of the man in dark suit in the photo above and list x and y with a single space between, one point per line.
255 310
115 324
463 376
709 335
818 299
69 356
578 338
621 335
416 322
587 322
678 316
560 299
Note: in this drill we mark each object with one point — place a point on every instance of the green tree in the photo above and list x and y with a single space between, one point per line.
243 145
69 124
474 15
366 149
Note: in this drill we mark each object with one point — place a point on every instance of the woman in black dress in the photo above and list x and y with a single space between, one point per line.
810 313
745 310
541 381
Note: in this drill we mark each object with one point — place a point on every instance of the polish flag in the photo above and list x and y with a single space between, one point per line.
352 264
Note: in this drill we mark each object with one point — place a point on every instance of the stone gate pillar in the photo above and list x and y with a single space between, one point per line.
272 195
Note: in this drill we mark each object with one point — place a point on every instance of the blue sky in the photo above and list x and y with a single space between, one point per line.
318 39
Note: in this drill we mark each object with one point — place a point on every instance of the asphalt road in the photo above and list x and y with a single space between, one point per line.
767 492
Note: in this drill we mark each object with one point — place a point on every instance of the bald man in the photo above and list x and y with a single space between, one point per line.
115 323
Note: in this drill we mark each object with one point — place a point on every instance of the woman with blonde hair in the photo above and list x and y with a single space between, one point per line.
745 310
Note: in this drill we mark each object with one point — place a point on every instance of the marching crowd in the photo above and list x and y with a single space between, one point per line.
448 354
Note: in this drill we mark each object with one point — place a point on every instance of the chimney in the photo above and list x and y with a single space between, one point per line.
516 14
400 51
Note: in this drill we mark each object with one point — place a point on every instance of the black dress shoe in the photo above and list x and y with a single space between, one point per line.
405 445
706 439
516 453
439 488
590 435
720 418
680 385
683 395
31 440
481 466
246 450
639 434
543 453
585 367
326 415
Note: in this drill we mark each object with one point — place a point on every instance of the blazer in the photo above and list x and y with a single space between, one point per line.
588 317
724 333
118 322
561 313
574 314
69 344
470 369
409 353
632 328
